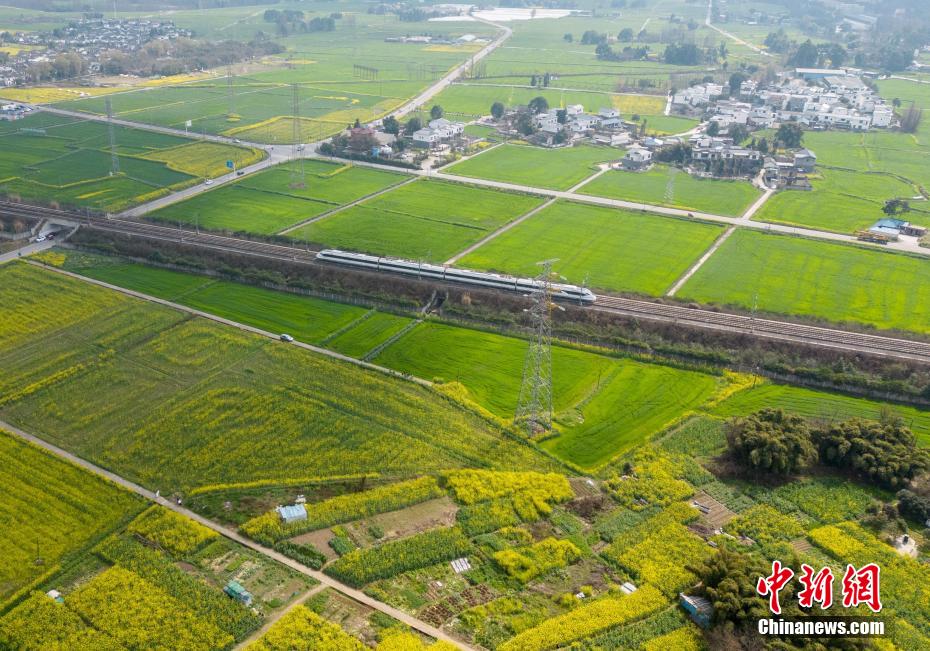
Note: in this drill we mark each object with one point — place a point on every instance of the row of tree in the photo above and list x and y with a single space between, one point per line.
773 441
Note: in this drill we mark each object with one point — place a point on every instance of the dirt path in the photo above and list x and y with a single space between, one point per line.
324 579
700 263
271 621
503 229
236 324
338 209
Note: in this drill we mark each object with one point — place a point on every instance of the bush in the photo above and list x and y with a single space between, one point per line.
771 441
885 454
306 554
527 563
171 531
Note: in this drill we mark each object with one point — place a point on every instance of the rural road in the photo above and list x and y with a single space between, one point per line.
456 72
909 245
29 249
734 38
236 324
324 579
275 154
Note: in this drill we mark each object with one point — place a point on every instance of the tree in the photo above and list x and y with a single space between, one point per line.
728 581
736 80
625 35
713 128
789 135
806 56
911 120
538 104
436 112
836 53
525 123
568 38
390 125
738 132
763 146
894 207
686 54
771 441
777 41
497 110
913 506
883 453
896 102
413 124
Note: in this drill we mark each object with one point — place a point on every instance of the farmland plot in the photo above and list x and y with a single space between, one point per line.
50 509
296 414
265 203
557 169
609 248
669 186
53 158
428 220
836 282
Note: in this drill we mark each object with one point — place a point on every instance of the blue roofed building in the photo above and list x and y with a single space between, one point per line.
292 513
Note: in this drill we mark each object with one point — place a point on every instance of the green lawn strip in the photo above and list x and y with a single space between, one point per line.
669 186
428 220
367 334
609 248
238 208
162 283
306 318
837 282
327 182
489 365
821 405
557 169
841 201
636 402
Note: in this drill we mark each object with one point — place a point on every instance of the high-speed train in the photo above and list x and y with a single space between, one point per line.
464 276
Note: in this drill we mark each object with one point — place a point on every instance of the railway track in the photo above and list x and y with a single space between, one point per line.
694 317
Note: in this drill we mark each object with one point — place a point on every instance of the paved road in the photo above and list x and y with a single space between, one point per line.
736 39
29 249
324 579
908 245
457 72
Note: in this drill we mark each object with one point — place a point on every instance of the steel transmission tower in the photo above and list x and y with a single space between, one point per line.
230 93
297 164
114 158
534 409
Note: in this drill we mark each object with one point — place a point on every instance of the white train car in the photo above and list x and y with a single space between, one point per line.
449 274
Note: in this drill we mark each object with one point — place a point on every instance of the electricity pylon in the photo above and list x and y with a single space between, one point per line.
114 157
297 164
534 409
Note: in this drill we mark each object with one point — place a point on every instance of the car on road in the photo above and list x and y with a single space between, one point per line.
239 172
41 238
208 182
286 337
50 236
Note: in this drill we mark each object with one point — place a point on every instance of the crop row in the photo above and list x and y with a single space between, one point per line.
362 566
268 527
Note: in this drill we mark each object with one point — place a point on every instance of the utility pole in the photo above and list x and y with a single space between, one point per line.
230 93
114 157
534 408
298 180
